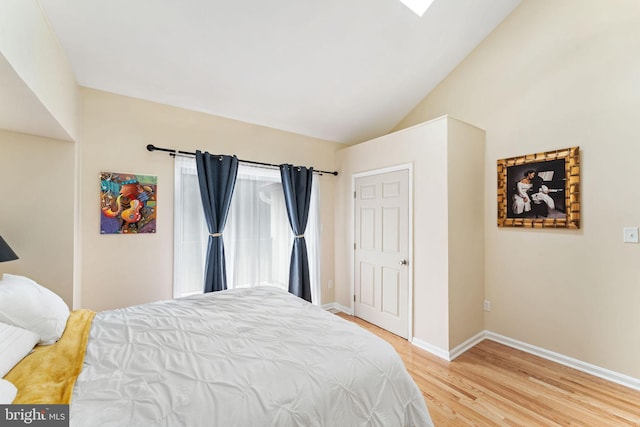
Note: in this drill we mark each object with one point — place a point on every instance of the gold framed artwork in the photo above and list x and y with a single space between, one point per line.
540 190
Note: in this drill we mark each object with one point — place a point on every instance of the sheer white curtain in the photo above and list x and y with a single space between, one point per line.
257 233
190 230
257 237
312 236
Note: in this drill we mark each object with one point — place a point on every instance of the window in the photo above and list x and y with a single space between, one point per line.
419 7
190 230
257 237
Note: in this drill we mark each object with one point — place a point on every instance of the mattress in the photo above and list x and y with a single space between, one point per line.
242 357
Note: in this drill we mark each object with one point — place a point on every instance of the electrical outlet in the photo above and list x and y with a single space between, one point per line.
487 305
630 234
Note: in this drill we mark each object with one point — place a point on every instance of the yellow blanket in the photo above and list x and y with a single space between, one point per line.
48 374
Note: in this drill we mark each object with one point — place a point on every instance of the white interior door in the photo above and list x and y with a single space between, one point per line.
382 249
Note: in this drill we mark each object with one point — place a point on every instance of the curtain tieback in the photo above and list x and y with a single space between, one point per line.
300 236
215 234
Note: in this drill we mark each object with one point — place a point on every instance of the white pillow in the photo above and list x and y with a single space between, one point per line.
7 392
28 305
15 343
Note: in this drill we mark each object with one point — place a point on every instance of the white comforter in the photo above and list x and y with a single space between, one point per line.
245 357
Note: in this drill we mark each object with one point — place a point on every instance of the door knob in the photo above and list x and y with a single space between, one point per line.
403 262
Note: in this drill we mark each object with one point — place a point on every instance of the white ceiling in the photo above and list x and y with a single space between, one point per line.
341 70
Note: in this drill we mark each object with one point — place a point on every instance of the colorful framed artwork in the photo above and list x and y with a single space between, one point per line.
540 190
127 203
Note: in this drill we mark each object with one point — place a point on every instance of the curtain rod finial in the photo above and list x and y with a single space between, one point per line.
151 147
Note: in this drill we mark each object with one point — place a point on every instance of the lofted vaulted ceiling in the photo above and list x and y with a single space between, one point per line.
340 70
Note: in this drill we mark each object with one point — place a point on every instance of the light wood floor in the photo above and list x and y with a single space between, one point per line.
495 385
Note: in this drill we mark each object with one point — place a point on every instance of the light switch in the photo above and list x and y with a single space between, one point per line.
630 234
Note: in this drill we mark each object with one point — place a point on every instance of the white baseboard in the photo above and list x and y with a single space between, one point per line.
594 370
461 348
329 307
344 309
455 352
579 365
437 351
338 308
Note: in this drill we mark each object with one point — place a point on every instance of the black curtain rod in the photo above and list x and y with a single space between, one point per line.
152 147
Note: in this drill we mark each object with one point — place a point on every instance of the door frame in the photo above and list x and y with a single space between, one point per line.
409 168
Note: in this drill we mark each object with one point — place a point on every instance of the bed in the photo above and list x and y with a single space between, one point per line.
242 357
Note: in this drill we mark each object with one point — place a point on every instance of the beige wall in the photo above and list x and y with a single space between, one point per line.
40 97
120 270
466 219
443 193
557 74
28 44
36 212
